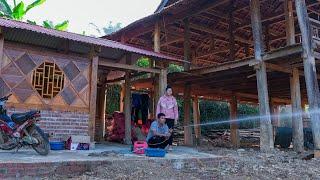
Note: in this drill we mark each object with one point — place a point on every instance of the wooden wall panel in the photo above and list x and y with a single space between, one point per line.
16 72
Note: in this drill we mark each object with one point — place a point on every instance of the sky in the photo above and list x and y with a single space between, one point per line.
81 13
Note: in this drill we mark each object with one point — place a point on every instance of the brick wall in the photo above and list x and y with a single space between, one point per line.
61 123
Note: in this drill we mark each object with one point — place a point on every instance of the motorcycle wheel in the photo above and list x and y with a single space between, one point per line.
43 146
5 142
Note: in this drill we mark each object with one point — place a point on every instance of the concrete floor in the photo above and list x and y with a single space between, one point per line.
119 152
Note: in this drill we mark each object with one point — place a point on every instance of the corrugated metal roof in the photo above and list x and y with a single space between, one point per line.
12 24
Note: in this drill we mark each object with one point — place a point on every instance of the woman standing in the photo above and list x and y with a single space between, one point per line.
168 105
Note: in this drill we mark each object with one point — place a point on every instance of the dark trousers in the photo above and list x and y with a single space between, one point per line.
157 142
170 124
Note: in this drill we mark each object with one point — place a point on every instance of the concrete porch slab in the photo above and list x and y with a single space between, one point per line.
27 163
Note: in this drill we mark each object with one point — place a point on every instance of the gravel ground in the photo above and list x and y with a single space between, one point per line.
245 164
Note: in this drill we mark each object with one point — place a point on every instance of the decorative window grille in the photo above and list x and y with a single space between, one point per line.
48 80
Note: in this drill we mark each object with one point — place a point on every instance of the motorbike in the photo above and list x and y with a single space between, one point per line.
20 130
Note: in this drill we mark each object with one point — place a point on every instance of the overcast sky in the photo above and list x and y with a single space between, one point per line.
82 12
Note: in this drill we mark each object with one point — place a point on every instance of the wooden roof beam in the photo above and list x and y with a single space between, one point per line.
219 33
127 67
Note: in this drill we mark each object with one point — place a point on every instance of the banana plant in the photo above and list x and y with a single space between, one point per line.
19 10
61 26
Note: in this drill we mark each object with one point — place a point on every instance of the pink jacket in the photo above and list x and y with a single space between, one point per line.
168 105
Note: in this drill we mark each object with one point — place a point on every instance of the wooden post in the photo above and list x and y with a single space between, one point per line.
102 111
156 37
93 96
127 104
157 48
187 89
310 72
196 119
297 123
234 126
187 45
162 82
275 112
290 31
122 95
187 114
231 34
266 135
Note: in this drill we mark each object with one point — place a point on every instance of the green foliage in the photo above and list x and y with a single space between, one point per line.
143 62
175 68
213 111
34 4
61 27
113 98
19 11
110 28
5 9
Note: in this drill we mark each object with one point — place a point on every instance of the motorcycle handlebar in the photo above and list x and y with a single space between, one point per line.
5 98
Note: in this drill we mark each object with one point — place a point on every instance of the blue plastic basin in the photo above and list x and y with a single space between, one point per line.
57 145
154 152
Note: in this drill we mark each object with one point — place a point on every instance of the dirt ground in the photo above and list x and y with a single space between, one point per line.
247 164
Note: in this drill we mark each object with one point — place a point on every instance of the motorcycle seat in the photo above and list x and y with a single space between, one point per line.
20 118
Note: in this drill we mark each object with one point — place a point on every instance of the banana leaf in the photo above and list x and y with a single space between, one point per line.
48 24
31 22
34 4
18 11
5 8
62 26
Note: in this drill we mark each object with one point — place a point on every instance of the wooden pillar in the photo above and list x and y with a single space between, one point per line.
275 112
196 119
122 94
162 81
187 89
297 123
156 37
231 34
266 135
187 116
290 30
309 71
102 111
157 48
93 95
127 103
234 126
187 45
